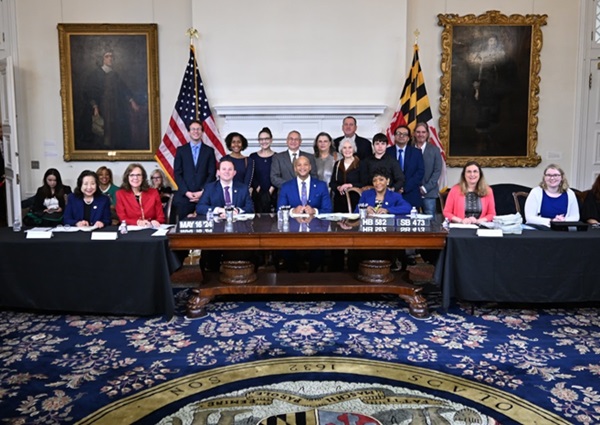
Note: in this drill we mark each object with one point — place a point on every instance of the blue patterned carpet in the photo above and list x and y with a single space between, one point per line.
58 369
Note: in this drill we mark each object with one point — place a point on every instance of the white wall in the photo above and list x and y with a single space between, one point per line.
284 52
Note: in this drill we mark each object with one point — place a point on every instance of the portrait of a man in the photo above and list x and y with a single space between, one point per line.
110 86
490 90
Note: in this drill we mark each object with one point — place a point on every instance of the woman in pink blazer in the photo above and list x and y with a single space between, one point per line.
138 203
471 201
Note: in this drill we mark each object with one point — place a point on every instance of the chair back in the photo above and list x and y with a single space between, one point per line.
353 190
519 200
167 201
442 198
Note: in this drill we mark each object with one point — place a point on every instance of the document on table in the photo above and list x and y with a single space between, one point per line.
463 226
105 236
497 233
68 229
338 216
243 217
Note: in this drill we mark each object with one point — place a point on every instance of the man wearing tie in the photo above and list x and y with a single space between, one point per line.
411 163
194 167
217 195
305 195
282 167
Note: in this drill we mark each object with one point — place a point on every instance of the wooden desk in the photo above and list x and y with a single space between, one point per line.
265 233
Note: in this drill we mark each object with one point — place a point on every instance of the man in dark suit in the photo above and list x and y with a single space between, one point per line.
282 167
305 194
216 193
363 146
195 166
411 163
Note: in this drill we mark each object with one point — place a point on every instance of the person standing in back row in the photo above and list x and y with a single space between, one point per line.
411 163
363 146
195 166
282 167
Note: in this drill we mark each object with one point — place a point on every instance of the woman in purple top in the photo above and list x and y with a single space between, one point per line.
264 194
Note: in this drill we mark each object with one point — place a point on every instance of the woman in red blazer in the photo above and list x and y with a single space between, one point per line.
471 201
138 203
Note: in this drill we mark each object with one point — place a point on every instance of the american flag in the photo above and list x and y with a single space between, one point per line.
192 104
414 108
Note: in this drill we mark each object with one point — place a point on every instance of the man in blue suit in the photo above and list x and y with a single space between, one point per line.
216 193
411 163
305 194
195 166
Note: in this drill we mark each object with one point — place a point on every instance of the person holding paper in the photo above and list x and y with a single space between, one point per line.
87 205
138 203
382 200
471 201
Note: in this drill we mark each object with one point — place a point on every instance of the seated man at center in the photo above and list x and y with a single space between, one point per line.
217 195
304 195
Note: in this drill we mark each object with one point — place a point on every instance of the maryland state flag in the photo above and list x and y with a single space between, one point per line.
414 108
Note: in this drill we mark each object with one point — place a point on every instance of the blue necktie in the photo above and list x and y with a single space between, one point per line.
401 158
195 152
227 196
303 194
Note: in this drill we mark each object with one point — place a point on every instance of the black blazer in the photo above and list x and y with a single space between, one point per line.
193 178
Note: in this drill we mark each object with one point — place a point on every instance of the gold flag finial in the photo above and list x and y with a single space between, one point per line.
416 33
192 33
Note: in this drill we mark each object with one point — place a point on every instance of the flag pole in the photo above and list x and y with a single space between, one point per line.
417 33
193 33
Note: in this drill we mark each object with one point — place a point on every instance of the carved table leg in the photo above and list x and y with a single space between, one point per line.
196 303
417 304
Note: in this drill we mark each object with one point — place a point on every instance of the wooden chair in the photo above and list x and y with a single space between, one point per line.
355 190
519 198
167 199
442 197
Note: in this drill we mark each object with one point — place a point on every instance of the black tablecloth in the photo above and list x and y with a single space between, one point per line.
534 267
72 273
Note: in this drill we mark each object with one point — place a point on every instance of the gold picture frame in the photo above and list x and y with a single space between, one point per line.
109 90
490 88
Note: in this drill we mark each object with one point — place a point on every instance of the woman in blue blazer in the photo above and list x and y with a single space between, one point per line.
380 199
87 206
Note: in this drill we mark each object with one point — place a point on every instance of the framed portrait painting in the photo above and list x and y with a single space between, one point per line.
489 87
109 91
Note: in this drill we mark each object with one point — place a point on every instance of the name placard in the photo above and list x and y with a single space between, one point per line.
195 226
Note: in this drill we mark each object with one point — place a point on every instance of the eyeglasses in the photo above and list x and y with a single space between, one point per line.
402 134
553 176
135 175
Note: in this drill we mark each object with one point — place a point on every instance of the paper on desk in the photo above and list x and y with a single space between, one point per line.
338 216
383 215
104 236
39 229
44 234
243 217
160 232
489 232
463 226
294 215
424 216
74 228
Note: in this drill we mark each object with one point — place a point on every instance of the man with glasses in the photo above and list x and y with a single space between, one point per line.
282 167
411 164
195 166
